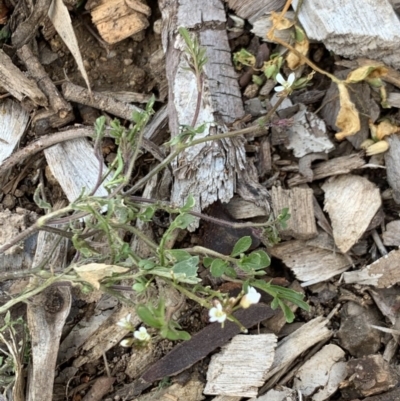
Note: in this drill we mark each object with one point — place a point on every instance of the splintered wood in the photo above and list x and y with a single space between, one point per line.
351 202
75 167
208 170
241 366
299 201
310 264
118 19
383 273
368 30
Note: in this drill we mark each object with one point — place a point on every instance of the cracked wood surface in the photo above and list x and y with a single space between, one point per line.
208 170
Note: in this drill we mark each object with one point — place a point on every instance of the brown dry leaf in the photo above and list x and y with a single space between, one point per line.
366 72
93 273
385 128
302 45
279 23
59 16
347 119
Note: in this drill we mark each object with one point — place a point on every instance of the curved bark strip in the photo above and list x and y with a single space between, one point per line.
207 171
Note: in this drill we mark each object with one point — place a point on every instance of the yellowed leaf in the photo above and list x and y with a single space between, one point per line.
93 273
347 119
280 23
366 72
385 128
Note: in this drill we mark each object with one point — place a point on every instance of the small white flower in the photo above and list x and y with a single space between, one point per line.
252 297
286 85
217 314
125 322
142 334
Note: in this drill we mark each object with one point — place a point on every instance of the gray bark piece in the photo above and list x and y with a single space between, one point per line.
13 122
241 366
392 161
351 29
391 237
75 167
207 171
253 9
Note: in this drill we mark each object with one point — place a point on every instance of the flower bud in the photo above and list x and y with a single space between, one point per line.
376 148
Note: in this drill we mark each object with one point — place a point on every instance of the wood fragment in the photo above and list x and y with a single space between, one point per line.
345 203
310 264
299 201
15 82
240 367
252 9
279 394
26 30
75 93
241 209
383 273
369 31
205 341
392 162
208 170
118 19
336 166
321 375
13 122
75 167
36 70
99 389
391 237
294 345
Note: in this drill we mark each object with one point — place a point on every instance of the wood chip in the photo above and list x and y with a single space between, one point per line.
350 214
279 394
392 162
13 122
118 19
336 166
299 201
241 209
372 30
241 366
295 344
321 375
252 9
383 273
310 264
75 167
391 237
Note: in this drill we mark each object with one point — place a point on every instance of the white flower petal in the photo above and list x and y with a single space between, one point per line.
279 78
291 79
279 89
217 314
142 334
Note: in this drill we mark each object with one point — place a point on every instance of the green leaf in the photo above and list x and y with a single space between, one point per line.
138 287
173 334
251 262
187 267
241 246
264 259
183 221
147 214
148 317
178 254
270 71
289 315
207 261
230 272
218 267
146 264
189 204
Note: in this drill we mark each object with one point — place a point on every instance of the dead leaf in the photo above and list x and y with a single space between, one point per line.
302 46
279 23
366 72
385 128
347 119
59 16
93 273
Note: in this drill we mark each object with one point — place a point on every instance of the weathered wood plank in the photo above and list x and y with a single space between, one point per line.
351 30
207 171
75 167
